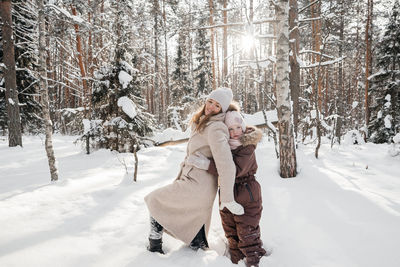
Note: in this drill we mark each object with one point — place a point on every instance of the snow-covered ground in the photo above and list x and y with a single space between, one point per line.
342 210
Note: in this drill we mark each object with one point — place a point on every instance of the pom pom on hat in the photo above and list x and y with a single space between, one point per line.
223 96
234 118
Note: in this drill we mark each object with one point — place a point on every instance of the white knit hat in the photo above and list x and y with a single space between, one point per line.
223 96
233 118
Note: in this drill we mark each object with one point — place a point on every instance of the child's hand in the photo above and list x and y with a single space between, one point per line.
198 160
233 207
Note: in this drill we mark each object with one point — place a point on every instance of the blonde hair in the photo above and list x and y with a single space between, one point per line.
234 106
200 118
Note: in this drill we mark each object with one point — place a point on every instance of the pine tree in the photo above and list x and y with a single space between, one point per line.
181 90
24 34
31 113
182 93
11 91
203 69
117 86
385 88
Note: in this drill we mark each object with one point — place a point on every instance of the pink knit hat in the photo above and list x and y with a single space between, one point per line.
234 118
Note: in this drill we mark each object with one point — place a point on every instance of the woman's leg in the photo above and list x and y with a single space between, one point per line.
155 236
200 240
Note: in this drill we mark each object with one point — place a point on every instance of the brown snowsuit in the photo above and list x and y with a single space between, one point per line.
243 231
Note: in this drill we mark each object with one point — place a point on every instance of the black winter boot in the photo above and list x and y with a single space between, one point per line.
199 241
155 237
155 245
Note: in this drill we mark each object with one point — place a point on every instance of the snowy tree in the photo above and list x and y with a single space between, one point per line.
287 149
385 89
203 70
44 91
25 44
11 92
116 82
182 93
24 37
117 100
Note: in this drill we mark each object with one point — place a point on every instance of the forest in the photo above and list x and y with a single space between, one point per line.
327 67
96 99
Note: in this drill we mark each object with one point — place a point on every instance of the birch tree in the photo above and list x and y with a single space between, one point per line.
286 138
44 91
12 103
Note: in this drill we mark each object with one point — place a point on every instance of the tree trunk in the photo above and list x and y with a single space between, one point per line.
44 92
79 50
340 96
225 45
167 89
156 86
287 149
294 75
368 60
214 82
11 94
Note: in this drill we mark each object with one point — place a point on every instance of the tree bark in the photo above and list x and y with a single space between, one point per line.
167 89
44 92
340 97
79 50
294 75
11 94
368 59
156 86
225 45
214 82
287 149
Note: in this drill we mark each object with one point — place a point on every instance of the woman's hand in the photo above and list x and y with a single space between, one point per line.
233 207
198 160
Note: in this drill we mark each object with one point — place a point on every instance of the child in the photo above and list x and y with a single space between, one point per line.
242 231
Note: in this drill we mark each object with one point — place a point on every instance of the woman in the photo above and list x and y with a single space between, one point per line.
183 208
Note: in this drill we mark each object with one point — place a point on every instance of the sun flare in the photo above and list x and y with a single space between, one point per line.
247 42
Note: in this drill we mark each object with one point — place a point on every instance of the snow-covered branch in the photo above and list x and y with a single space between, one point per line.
324 63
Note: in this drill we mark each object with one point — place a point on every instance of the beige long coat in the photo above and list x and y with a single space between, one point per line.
185 205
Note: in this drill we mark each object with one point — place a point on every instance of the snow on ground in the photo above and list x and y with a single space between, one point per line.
342 210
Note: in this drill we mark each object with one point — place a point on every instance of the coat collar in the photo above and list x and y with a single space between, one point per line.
217 117
252 136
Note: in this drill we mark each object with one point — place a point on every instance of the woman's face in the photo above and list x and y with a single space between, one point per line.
212 107
235 131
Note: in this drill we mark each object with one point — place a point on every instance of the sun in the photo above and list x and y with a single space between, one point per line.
247 42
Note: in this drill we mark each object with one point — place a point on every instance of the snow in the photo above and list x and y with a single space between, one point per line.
170 134
313 114
343 209
124 78
388 121
387 98
127 106
58 10
258 117
11 101
396 138
86 125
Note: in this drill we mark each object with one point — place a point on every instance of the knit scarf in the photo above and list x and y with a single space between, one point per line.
234 143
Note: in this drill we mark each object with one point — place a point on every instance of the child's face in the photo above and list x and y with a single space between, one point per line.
235 131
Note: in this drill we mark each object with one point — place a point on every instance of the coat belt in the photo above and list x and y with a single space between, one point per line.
245 179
